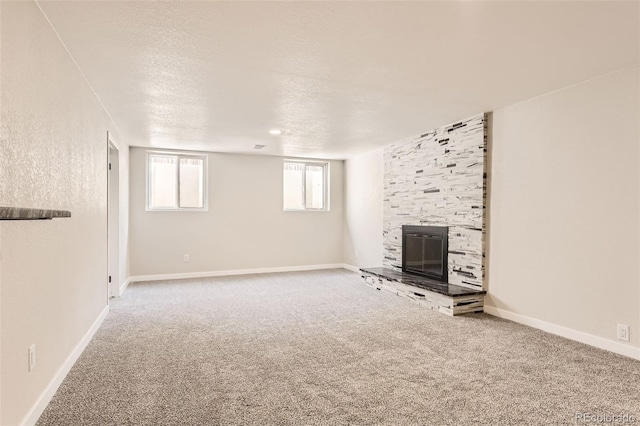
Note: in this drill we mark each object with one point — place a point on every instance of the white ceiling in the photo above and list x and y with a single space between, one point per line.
336 77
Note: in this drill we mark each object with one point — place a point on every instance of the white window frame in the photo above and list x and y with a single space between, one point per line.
325 185
179 155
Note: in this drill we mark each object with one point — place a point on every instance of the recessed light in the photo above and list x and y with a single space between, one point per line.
275 132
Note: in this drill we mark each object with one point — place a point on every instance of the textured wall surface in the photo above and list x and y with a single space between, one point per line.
565 206
244 228
438 179
53 154
363 182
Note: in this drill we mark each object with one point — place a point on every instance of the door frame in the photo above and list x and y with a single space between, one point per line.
113 217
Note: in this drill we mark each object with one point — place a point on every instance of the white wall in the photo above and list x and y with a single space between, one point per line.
123 238
53 154
245 227
564 207
363 185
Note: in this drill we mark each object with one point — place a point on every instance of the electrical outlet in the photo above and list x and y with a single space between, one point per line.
356 253
32 357
623 332
186 258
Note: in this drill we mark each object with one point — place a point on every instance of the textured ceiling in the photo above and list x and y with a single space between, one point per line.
336 77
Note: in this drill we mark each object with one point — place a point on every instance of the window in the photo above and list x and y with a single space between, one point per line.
305 185
176 181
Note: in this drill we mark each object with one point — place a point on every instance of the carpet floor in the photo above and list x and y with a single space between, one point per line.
321 348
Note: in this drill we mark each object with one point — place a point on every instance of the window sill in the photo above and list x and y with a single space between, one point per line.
306 210
176 210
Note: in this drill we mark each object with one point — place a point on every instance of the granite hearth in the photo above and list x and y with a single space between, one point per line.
449 299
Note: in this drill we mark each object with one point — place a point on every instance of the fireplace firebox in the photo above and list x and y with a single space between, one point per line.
425 251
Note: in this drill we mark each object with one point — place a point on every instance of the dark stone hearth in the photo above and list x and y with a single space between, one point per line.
446 289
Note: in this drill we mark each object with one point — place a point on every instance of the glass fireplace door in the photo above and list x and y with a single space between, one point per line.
424 254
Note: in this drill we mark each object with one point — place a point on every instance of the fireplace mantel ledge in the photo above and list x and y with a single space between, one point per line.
21 213
445 289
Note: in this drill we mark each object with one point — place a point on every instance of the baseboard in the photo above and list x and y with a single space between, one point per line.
351 268
569 333
124 285
46 396
207 274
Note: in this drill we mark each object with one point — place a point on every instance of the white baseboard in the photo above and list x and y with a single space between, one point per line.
124 286
569 333
351 268
44 399
183 275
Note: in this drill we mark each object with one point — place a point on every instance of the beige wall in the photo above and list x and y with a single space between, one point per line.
564 207
123 238
363 183
53 154
245 227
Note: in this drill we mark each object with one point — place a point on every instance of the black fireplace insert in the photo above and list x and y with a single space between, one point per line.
425 251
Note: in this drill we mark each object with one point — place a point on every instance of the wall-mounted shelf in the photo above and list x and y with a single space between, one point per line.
19 213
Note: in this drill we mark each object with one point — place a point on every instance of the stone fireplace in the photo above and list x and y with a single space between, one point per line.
436 180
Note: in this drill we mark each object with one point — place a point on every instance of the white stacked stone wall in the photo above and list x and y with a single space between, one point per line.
439 179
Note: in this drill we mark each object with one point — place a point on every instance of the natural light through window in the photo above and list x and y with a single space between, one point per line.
176 181
305 185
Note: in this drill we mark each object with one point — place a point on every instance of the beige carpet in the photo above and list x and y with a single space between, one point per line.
321 348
